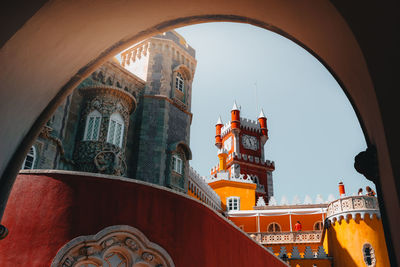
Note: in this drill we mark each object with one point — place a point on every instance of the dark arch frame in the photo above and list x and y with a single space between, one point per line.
388 153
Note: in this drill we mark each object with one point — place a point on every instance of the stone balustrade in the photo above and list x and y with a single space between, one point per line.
343 208
287 237
198 182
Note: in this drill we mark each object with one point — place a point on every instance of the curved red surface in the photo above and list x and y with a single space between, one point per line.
45 211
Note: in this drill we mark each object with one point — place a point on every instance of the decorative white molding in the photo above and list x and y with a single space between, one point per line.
125 240
347 207
241 178
250 125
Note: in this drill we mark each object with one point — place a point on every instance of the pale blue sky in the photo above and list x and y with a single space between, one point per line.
314 132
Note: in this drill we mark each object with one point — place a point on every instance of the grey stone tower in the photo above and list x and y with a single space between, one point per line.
159 142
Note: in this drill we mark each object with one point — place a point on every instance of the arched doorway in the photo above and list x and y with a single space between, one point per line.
65 41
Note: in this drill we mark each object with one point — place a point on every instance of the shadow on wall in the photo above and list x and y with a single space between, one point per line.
62 205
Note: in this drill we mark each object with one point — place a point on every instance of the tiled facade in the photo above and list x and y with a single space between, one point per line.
153 111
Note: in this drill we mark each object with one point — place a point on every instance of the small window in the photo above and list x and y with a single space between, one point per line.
179 82
92 128
116 130
273 227
29 161
318 226
233 203
369 255
177 164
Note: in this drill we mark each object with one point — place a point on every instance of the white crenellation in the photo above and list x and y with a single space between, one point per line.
225 129
250 125
200 182
349 207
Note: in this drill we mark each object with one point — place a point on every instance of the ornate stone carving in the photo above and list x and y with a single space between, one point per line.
110 162
131 245
343 208
287 237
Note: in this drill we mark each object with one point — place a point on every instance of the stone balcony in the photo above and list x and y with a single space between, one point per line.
345 207
287 237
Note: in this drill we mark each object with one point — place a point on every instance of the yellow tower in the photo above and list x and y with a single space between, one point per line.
354 233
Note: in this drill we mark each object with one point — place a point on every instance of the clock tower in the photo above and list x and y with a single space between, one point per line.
240 144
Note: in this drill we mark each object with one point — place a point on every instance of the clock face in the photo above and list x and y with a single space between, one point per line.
250 142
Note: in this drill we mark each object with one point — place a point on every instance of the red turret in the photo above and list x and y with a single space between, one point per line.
235 118
263 125
218 139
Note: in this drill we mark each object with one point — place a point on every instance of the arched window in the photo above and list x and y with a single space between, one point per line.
29 161
116 130
92 128
318 226
179 82
233 203
177 164
273 227
369 255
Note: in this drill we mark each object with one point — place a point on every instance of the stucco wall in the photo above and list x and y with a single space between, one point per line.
47 210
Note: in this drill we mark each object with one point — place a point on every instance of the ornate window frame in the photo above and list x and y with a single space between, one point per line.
30 159
233 203
125 240
116 127
92 127
371 255
276 227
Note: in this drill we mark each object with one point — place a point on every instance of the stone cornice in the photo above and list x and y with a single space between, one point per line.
172 102
110 90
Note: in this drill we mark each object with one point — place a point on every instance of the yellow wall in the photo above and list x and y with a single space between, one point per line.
345 241
246 192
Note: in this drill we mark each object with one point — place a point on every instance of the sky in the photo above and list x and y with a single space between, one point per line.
314 133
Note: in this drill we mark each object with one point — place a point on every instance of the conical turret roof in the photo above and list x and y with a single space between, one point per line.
235 107
262 115
219 120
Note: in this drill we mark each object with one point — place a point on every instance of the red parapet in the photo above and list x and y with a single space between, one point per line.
48 209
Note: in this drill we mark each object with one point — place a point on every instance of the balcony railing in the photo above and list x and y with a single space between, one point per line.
353 205
287 237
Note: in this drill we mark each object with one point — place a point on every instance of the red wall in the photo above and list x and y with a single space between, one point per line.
46 211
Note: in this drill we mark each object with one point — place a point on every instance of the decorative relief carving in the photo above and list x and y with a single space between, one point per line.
344 207
287 237
114 244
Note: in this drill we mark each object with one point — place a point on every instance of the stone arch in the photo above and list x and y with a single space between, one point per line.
345 60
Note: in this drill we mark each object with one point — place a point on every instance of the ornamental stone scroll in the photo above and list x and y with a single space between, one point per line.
118 245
